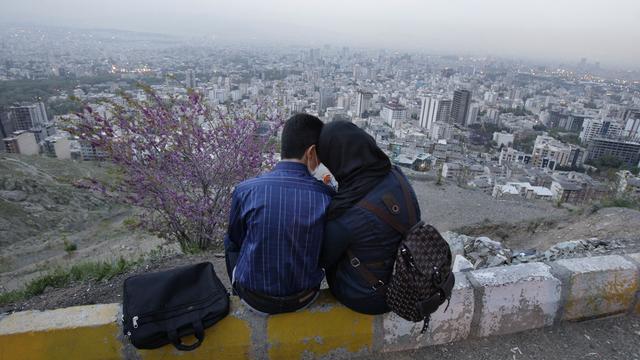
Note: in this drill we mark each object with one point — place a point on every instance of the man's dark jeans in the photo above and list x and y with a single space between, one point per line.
265 303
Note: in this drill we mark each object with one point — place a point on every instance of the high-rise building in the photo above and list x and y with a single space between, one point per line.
490 97
236 95
432 109
573 122
626 151
326 99
190 80
472 116
460 106
600 128
32 118
549 153
632 124
343 101
27 117
443 110
297 106
363 102
356 72
6 127
220 96
631 113
426 102
393 114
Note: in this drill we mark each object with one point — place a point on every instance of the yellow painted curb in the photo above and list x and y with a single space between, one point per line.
82 332
228 339
327 328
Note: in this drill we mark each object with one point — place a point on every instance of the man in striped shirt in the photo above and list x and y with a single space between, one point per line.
276 226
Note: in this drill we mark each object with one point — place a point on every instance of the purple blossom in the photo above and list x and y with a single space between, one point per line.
181 159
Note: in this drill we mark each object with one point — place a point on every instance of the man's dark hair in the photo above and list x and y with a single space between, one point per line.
299 132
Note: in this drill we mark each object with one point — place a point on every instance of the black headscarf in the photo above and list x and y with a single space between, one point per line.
354 159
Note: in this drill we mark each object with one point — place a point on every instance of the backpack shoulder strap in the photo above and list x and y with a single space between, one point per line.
373 281
411 210
384 215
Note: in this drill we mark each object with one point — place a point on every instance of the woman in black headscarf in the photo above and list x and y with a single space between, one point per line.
359 248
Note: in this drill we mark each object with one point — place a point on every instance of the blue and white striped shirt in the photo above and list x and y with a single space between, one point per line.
277 222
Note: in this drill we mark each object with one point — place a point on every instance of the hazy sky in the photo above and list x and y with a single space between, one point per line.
601 30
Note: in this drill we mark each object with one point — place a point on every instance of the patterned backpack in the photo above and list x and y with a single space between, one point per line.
422 279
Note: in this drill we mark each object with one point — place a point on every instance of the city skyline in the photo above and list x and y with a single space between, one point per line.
546 30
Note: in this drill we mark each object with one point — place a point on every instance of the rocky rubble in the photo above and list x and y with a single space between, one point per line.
579 248
482 252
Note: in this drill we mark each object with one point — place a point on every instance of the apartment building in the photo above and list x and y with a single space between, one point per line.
627 151
22 142
549 153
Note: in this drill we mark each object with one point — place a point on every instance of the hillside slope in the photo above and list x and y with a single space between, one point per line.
42 214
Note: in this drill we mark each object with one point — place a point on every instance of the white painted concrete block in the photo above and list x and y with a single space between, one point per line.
516 298
455 241
599 286
452 325
461 263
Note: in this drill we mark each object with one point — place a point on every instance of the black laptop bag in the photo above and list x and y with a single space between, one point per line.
161 308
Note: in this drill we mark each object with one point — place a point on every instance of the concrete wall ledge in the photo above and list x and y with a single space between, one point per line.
485 302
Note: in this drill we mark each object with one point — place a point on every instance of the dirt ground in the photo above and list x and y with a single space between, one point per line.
610 224
47 220
449 207
612 338
107 239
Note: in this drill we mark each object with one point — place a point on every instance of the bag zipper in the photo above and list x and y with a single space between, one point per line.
174 307
136 321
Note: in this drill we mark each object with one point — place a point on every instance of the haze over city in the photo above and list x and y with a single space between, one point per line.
276 142
543 30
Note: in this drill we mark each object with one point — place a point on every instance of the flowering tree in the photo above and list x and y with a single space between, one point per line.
181 158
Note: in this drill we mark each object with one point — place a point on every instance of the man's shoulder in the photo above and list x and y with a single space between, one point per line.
248 184
302 183
318 187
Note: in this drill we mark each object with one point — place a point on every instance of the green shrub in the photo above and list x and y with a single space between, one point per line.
11 296
56 279
69 247
131 222
59 277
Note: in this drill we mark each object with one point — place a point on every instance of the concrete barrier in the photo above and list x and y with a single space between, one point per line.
451 325
515 298
636 259
485 302
599 286
231 338
82 332
326 329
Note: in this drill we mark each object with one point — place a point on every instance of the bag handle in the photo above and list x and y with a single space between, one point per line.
177 342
